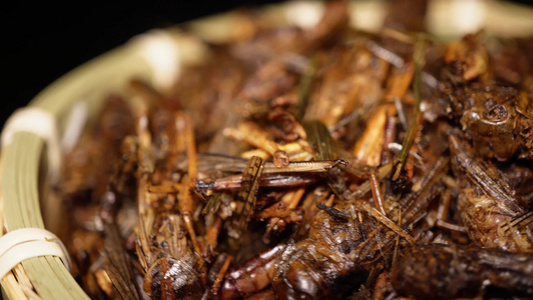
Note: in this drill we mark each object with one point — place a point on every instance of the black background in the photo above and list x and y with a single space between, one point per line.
42 41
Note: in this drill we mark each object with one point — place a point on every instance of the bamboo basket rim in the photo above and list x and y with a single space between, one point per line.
45 277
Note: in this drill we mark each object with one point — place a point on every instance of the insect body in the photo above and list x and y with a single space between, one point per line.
497 119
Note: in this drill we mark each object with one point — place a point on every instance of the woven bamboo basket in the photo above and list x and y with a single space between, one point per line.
35 137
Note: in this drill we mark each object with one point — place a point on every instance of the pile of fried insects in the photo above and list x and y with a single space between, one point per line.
317 163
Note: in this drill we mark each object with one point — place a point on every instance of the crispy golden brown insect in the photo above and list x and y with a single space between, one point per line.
173 269
496 118
494 216
468 57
